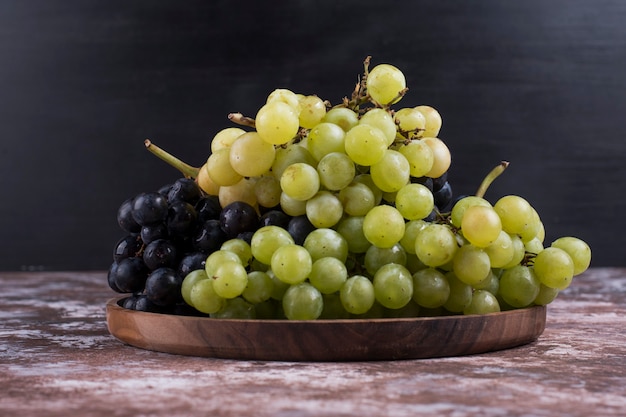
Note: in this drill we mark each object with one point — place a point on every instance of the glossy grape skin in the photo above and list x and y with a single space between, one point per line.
443 197
191 262
302 302
125 217
519 286
129 275
209 236
126 247
577 249
357 294
208 208
299 228
111 276
163 287
483 302
238 217
185 189
149 208
275 218
160 253
152 232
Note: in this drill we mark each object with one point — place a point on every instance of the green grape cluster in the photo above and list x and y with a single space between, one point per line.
381 245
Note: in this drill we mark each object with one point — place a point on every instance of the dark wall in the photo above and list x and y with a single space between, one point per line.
83 83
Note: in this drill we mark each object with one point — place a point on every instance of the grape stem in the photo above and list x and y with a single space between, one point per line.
186 169
493 174
242 120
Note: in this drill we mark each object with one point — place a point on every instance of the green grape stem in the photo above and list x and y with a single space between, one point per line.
186 169
493 174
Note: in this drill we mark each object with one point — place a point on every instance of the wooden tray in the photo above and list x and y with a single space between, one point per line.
325 340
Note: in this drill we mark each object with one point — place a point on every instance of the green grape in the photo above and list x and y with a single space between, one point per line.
351 228
501 251
189 281
515 212
326 242
357 199
519 286
491 283
277 122
554 268
325 138
357 295
236 308
230 279
458 210
411 229
393 286
392 172
225 137
266 240
251 156
471 264
300 181
218 257
343 117
239 247
460 294
289 156
533 246
291 206
220 170
382 120
376 257
259 287
336 171
267 191
413 263
367 180
365 145
312 111
518 252
483 302
291 263
285 96
414 201
420 157
481 225
441 157
242 191
205 182
303 302
546 295
410 120
324 209
430 288
533 229
577 249
433 121
383 226
278 287
435 245
384 83
204 298
333 308
328 274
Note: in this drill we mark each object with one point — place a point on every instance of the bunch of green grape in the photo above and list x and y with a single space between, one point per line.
379 245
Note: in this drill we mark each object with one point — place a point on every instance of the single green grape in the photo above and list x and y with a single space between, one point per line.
381 119
515 213
328 274
239 247
376 257
433 121
225 137
290 155
266 240
267 191
458 210
357 294
410 120
324 209
411 230
519 286
441 157
189 281
384 83
215 259
220 170
483 302
460 294
357 199
546 295
277 122
435 245
383 226
230 279
419 156
351 228
291 206
481 225
313 110
326 242
325 138
392 172
415 201
471 264
303 302
204 298
365 145
336 171
250 155
259 287
342 117
300 181
554 268
430 288
577 249
291 263
501 251
393 286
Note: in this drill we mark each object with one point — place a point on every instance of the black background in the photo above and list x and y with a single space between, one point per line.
83 83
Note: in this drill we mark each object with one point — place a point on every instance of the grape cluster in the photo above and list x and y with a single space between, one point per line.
310 211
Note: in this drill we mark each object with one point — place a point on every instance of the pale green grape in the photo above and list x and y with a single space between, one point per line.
325 138
312 111
554 268
277 122
326 242
383 226
328 274
259 287
491 283
300 181
278 287
324 209
250 155
460 294
291 206
433 121
441 157
285 96
546 295
291 263
501 251
519 286
518 252
343 117
384 83
225 137
303 302
411 229
239 247
533 229
365 145
410 120
458 210
382 120
230 279
189 281
393 286
420 157
435 245
471 264
367 180
515 213
430 288
204 298
242 191
357 199
205 182
291 155
483 302
413 263
376 257
392 172
533 246
267 191
481 225
266 240
577 249
351 228
220 170
336 170
236 308
218 257
357 295
414 201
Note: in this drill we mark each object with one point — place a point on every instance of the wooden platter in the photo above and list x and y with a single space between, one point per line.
325 340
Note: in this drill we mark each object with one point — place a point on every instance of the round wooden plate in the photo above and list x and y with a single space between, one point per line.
325 340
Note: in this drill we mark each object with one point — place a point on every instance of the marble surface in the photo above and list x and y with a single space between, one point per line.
57 359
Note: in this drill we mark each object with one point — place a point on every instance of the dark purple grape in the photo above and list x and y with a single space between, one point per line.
181 218
184 189
275 218
127 247
142 303
165 190
443 197
130 275
111 277
163 287
160 253
125 217
209 237
425 181
129 302
440 182
299 228
149 208
208 208
191 262
238 217
152 232
246 236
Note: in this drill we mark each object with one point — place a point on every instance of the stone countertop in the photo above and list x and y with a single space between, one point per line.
57 359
